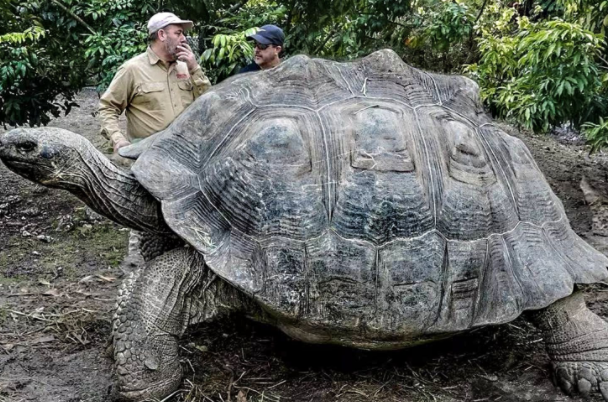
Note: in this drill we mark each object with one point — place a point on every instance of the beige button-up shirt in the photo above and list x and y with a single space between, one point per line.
150 94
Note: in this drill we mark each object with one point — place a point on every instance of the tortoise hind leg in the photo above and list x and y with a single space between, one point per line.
155 305
576 340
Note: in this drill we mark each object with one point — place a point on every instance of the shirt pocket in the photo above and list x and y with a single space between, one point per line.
186 92
151 95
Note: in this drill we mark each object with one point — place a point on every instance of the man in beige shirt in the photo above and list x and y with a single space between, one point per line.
153 88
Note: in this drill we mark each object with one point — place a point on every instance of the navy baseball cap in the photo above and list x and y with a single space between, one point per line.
269 35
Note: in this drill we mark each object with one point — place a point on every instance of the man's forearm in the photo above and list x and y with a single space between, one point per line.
109 123
113 102
200 81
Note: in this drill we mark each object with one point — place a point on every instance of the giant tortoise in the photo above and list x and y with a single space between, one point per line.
366 204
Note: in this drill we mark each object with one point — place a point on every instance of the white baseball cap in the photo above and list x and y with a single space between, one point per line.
161 20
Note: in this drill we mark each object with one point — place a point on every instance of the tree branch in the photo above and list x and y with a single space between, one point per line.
471 41
236 6
483 6
322 45
400 24
77 18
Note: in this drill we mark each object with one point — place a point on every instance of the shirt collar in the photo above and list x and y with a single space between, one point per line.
152 57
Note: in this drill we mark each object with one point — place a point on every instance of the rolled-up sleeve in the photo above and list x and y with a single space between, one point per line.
113 102
200 82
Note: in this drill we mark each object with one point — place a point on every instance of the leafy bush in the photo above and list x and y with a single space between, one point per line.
451 25
441 39
50 49
228 54
544 75
597 134
225 48
34 69
540 63
119 33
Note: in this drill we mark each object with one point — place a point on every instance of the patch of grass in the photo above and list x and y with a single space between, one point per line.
64 255
83 248
9 280
75 325
102 245
109 243
7 260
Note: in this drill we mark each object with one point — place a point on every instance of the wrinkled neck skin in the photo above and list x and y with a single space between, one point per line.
108 190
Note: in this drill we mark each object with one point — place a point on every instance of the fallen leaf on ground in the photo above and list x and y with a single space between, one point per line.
52 292
88 278
241 397
106 278
8 346
87 294
42 339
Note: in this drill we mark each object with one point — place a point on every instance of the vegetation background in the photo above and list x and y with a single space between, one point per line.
540 63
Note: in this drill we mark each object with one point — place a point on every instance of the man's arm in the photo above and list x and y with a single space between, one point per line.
111 105
197 77
200 81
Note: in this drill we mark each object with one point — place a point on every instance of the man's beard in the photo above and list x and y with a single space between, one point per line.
171 48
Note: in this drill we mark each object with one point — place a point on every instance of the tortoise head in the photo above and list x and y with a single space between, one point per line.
49 156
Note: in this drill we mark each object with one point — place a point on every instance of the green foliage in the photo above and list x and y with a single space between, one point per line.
441 36
590 14
33 68
226 48
228 53
452 25
597 134
540 63
115 32
544 75
49 49
31 34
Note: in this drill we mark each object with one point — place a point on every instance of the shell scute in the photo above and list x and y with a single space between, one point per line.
410 283
342 279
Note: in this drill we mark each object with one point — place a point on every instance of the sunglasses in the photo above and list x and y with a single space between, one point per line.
261 46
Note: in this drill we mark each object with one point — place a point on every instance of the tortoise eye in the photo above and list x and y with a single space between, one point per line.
26 146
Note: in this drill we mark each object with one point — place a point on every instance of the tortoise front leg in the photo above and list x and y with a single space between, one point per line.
576 340
155 305
152 245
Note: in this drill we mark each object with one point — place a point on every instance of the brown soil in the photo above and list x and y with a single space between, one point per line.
60 269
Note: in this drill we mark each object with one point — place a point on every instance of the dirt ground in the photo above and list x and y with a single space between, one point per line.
60 267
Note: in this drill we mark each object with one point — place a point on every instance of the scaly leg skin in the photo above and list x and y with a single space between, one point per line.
154 307
576 340
152 245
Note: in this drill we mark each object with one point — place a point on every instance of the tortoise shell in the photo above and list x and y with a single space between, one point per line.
367 195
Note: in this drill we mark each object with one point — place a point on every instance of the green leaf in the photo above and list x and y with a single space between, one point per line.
206 54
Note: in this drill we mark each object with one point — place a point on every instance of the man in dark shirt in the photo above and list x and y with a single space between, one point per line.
268 45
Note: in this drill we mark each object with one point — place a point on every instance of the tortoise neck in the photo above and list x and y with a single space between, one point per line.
114 193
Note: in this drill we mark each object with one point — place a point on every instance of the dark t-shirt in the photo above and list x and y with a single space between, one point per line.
248 68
